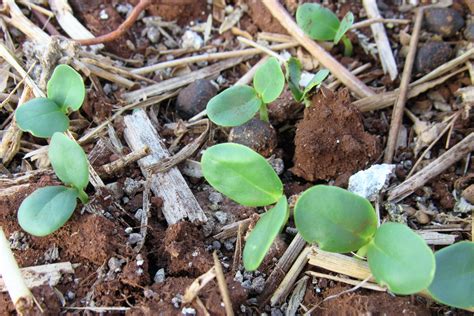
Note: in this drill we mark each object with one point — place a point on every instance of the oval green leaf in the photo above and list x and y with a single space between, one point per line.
453 283
317 22
233 106
47 209
41 117
317 79
293 77
241 174
269 80
264 233
336 219
66 88
344 26
69 161
400 259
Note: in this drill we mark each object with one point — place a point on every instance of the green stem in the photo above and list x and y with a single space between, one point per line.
264 113
83 196
362 252
347 46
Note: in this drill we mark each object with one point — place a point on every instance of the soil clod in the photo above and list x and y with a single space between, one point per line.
432 55
330 140
256 134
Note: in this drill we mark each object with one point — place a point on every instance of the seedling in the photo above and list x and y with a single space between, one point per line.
238 104
453 283
49 208
293 77
43 117
322 24
335 219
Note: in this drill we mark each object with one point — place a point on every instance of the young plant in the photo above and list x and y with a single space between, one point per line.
322 24
43 117
293 77
238 104
49 208
336 219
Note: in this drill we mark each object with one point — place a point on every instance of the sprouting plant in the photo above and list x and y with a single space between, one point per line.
336 219
293 77
322 24
49 208
238 104
42 117
453 283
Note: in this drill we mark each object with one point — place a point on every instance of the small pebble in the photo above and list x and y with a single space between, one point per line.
216 245
276 312
188 311
115 264
131 187
115 189
191 40
128 230
443 21
422 217
215 197
221 217
153 34
255 134
432 55
468 194
247 284
194 98
258 284
239 277
469 32
134 238
138 214
229 245
159 276
103 15
277 164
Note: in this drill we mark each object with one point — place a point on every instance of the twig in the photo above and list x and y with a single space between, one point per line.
285 287
262 48
344 75
21 22
397 114
200 282
19 293
238 250
221 282
124 161
207 56
378 30
370 286
121 29
45 23
371 21
433 169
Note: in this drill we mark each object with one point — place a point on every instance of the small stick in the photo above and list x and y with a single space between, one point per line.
397 114
238 250
19 293
46 23
371 21
286 285
370 286
385 51
38 8
261 48
121 29
200 282
124 161
432 170
221 282
338 70
206 57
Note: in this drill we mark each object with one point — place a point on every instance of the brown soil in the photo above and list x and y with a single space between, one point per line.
362 302
330 140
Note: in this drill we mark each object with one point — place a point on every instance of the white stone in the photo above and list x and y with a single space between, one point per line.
191 39
368 183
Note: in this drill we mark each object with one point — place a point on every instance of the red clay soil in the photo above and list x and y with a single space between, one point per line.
330 140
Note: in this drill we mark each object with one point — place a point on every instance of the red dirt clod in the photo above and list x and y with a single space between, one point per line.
330 140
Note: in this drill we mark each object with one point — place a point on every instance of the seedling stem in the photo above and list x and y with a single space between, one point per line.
347 46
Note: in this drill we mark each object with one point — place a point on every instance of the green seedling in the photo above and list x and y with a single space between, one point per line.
293 77
322 24
336 219
49 208
43 117
239 104
453 283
